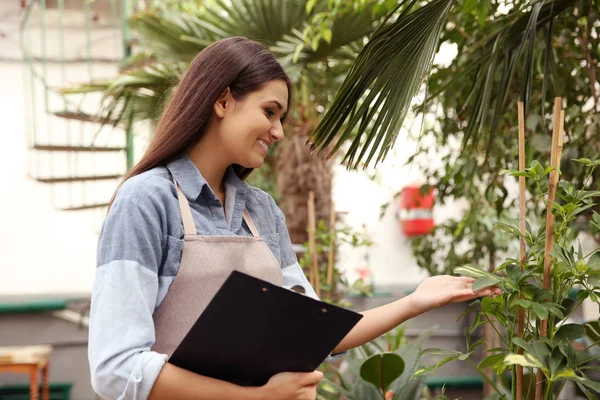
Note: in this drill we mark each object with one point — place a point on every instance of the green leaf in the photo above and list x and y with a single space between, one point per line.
485 281
542 143
525 360
491 361
594 281
382 369
553 308
557 361
377 92
594 261
310 5
327 35
482 11
450 356
567 349
314 44
469 6
592 329
582 295
522 343
440 352
513 272
570 332
568 305
473 272
584 381
520 302
540 312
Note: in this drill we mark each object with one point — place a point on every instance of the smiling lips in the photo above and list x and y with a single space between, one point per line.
264 145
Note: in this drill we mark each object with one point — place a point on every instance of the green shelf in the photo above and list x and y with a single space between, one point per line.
34 306
475 381
58 391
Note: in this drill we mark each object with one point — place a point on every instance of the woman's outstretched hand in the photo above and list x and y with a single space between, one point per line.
440 290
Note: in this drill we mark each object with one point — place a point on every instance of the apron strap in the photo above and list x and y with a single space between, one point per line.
189 227
250 224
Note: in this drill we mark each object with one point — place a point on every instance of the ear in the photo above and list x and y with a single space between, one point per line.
223 103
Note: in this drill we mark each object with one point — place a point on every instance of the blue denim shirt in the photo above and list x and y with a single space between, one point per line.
139 253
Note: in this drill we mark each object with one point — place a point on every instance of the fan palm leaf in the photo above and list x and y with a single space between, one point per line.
383 80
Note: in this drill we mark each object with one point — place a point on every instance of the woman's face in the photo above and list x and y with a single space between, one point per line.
249 126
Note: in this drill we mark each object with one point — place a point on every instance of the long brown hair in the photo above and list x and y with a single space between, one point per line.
237 63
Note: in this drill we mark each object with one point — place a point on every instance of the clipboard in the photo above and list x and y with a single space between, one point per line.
252 330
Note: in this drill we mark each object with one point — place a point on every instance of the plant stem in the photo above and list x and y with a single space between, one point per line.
494 326
484 377
569 314
541 193
590 346
548 390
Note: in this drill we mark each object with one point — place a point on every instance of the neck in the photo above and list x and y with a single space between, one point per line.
209 161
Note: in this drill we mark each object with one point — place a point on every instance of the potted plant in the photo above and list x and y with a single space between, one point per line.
385 368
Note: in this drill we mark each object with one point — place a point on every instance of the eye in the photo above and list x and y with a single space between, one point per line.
269 112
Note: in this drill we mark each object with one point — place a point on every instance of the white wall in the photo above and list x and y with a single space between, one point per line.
390 258
43 250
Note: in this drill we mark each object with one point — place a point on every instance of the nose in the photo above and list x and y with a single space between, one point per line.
276 132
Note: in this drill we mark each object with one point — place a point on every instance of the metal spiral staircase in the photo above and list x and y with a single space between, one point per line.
63 43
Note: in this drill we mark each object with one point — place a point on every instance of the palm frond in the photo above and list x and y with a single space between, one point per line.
385 77
502 56
163 35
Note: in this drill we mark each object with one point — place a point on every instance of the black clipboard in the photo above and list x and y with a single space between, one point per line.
252 330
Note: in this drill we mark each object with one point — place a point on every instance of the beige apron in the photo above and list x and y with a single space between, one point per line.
206 262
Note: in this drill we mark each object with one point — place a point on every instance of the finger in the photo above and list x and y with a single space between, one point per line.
312 378
489 291
466 279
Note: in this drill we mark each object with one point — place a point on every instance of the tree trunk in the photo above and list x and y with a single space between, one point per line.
297 172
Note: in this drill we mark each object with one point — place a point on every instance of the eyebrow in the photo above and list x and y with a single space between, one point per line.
276 102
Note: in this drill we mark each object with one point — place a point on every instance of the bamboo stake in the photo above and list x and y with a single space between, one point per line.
312 242
522 244
549 244
331 253
489 333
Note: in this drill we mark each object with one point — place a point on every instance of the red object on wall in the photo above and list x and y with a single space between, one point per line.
416 210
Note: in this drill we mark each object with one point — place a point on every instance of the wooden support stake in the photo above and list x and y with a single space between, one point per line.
549 244
489 333
522 242
331 254
312 242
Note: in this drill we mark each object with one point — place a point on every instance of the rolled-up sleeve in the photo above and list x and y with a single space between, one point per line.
123 300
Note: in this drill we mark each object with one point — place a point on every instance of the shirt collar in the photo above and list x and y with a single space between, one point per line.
192 182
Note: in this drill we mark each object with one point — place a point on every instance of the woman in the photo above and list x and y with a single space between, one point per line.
184 211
